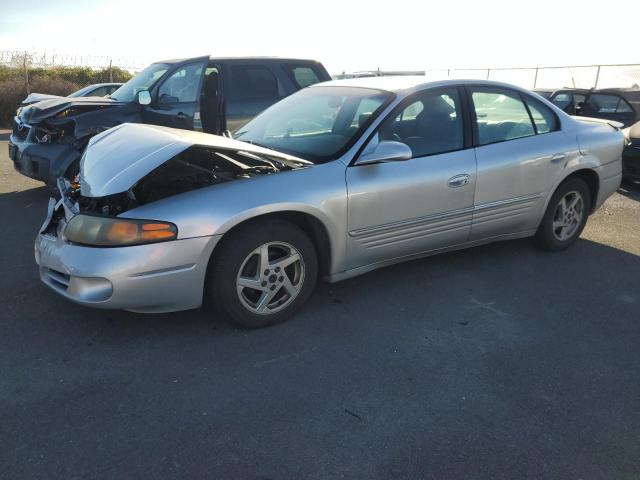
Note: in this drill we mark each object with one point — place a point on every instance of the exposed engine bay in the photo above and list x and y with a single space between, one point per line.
194 168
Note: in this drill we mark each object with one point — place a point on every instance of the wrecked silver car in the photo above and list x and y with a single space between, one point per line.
336 180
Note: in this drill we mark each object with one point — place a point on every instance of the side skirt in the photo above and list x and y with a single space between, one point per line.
354 272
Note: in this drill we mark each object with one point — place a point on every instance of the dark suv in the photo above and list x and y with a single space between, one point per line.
205 94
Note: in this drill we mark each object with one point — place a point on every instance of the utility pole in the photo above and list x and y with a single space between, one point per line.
26 72
110 72
597 77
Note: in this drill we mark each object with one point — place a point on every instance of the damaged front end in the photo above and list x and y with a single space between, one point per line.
132 165
49 137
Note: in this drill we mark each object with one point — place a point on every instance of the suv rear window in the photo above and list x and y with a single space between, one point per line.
302 75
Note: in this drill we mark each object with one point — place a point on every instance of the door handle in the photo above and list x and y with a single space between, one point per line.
558 157
181 116
459 180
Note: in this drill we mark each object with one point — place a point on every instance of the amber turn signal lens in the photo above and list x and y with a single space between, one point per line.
156 231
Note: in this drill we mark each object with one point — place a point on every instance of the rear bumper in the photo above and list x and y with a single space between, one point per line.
159 277
45 162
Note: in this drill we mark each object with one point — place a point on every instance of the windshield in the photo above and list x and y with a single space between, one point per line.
142 81
317 123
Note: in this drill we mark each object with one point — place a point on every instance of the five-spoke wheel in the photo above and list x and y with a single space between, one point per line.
566 215
270 277
263 272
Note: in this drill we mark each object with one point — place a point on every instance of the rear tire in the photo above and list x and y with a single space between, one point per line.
566 216
263 273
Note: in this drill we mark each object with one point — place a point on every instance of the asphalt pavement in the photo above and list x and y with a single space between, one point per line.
500 362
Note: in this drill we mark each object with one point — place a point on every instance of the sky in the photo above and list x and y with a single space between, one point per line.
344 35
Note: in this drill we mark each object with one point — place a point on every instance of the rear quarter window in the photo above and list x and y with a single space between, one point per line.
543 117
302 75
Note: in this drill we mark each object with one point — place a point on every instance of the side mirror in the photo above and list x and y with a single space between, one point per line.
386 151
144 97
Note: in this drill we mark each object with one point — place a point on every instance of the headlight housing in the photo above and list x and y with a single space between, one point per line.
96 231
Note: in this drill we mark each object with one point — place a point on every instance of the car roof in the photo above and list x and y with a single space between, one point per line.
250 59
400 84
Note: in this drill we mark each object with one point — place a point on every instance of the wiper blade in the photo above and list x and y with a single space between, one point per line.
288 160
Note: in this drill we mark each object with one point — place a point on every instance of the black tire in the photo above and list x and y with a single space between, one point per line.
231 255
545 237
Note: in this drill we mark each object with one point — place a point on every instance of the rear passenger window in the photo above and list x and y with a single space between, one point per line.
252 83
302 75
543 118
429 124
500 116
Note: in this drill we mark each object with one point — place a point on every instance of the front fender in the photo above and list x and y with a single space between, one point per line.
318 191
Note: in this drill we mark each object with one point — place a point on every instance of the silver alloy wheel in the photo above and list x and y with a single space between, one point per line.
270 278
568 215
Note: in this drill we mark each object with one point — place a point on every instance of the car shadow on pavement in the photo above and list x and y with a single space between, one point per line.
500 280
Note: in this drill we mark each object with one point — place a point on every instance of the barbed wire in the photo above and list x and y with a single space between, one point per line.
35 59
579 76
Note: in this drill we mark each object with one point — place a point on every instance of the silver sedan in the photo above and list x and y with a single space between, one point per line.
336 180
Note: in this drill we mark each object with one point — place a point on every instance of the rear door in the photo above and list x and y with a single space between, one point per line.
176 101
609 106
521 152
422 204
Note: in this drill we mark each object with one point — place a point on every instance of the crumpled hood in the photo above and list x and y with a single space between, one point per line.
118 158
36 112
38 97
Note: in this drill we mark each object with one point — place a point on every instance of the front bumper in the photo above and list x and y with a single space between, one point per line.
41 161
154 278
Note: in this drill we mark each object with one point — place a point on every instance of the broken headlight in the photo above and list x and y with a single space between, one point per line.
98 231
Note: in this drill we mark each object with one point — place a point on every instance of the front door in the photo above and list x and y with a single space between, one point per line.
422 204
177 100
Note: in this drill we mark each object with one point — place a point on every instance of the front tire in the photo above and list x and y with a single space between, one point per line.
566 216
263 273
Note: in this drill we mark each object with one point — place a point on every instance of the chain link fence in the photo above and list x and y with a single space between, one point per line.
24 72
583 76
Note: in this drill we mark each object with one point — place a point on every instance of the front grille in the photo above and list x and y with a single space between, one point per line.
20 131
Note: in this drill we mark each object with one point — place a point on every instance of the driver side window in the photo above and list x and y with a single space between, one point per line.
430 123
182 85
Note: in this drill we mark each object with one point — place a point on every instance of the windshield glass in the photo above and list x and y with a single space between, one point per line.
142 81
317 123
